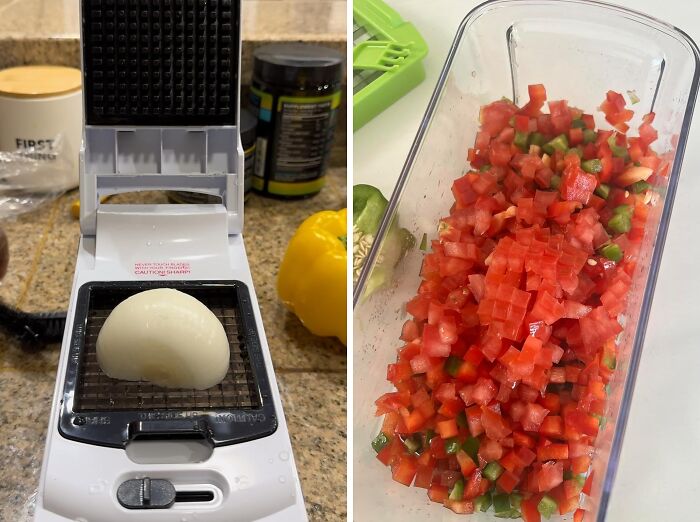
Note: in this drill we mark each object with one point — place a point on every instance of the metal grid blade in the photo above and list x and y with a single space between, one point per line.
361 79
97 392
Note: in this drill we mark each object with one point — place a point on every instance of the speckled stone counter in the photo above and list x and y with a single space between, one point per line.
311 371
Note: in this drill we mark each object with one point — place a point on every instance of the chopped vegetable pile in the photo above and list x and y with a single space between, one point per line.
501 384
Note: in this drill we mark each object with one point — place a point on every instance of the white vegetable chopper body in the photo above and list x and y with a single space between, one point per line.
161 93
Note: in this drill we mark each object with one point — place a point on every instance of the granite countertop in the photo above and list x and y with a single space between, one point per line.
311 371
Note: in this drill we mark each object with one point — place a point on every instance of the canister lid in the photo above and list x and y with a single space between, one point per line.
298 65
248 126
39 81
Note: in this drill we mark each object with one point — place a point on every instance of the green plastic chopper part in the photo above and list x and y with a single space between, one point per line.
387 59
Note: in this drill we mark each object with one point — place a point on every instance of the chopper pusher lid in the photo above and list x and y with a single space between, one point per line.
171 63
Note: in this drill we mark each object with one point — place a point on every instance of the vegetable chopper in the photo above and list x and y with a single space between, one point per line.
387 58
161 96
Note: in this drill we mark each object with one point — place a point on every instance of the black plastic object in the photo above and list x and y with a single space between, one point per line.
33 329
169 430
296 91
161 63
108 412
146 493
298 66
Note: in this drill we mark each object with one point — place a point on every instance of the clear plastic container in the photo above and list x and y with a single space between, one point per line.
579 50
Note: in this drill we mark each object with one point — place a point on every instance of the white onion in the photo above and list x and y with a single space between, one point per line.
166 337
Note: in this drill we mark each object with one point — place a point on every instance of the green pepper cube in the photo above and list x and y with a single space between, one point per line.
560 143
482 503
620 224
452 445
520 140
424 243
501 503
462 420
555 182
578 124
492 471
380 442
485 168
589 136
592 166
612 252
516 500
577 151
457 491
639 186
547 506
452 365
619 151
471 448
609 361
429 435
535 138
625 210
602 191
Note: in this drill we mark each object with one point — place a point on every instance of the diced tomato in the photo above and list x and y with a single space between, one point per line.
461 507
510 340
438 493
494 424
550 476
529 511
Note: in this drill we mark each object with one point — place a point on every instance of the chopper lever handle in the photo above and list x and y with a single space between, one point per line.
177 429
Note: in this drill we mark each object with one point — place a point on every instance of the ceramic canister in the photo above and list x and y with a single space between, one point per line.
41 119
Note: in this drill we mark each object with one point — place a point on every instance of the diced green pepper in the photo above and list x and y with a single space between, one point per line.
589 136
568 474
485 168
515 500
592 166
617 150
576 150
380 441
511 121
612 251
452 446
639 186
457 491
492 471
413 444
580 479
501 503
578 124
424 243
462 420
602 191
620 224
520 140
609 361
547 506
471 448
560 143
429 434
625 210
555 182
452 365
483 502
634 99
535 138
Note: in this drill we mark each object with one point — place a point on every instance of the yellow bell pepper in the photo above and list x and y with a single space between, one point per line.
312 280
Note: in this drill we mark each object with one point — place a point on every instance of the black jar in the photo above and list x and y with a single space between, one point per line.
297 92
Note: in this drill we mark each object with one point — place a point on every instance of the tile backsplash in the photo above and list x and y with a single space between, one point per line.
262 19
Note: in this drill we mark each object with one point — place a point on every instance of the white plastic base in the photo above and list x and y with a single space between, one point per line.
255 480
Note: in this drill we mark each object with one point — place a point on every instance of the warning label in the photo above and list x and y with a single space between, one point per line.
162 269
